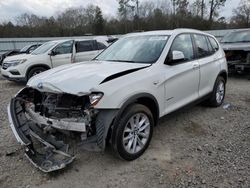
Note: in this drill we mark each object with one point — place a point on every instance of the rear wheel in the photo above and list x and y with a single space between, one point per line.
35 71
132 134
218 93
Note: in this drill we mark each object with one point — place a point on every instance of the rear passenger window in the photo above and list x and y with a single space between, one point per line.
85 46
214 44
202 46
184 44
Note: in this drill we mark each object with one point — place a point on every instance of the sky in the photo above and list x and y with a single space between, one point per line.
9 9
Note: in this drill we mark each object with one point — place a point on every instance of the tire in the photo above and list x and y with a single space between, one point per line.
35 71
218 93
131 143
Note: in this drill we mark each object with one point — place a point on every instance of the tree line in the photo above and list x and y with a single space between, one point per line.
132 15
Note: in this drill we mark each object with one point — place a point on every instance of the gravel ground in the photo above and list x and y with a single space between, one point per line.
194 147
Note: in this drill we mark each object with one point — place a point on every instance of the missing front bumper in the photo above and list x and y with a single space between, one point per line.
53 154
56 152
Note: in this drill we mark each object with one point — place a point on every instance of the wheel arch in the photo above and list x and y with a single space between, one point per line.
142 98
145 99
35 66
223 74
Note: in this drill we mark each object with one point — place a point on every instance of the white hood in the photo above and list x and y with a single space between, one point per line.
79 78
17 57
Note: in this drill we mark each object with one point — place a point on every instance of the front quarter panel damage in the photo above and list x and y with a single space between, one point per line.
52 125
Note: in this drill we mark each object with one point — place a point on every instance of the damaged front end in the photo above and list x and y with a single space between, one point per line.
238 60
53 125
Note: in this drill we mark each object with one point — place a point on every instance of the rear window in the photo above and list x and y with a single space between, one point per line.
214 44
85 46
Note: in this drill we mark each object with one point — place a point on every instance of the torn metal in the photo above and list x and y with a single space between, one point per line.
52 125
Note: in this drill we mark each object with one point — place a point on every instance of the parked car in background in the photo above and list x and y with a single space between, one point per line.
7 53
49 55
29 48
118 97
237 49
25 50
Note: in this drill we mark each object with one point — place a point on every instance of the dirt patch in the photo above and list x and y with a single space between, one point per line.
194 129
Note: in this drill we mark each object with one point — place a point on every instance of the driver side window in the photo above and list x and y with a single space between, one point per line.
183 43
64 48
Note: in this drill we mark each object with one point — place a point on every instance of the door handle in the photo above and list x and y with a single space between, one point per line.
196 65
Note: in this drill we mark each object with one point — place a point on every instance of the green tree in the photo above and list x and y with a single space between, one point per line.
98 21
241 15
215 5
182 7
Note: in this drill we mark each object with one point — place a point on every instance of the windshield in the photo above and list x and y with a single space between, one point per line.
238 36
135 49
43 48
25 48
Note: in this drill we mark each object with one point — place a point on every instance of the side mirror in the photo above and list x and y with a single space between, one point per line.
52 53
177 56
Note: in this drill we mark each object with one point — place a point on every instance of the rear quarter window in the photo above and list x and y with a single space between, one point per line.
101 46
214 44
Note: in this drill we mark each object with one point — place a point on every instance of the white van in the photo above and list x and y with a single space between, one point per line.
49 55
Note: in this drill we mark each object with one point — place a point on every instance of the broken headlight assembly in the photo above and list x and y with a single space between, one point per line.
94 98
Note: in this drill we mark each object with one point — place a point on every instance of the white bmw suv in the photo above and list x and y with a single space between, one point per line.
118 97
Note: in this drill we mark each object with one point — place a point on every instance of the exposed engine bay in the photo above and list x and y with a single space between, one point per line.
53 125
238 60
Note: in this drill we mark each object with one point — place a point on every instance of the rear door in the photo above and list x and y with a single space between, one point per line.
209 64
182 77
62 54
85 50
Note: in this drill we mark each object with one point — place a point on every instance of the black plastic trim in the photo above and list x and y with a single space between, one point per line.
16 122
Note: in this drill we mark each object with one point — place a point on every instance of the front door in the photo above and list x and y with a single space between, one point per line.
182 77
62 54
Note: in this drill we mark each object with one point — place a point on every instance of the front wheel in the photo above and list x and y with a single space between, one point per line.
218 93
35 71
132 134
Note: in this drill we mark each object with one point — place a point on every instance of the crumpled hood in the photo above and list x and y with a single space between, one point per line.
79 78
17 57
236 46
